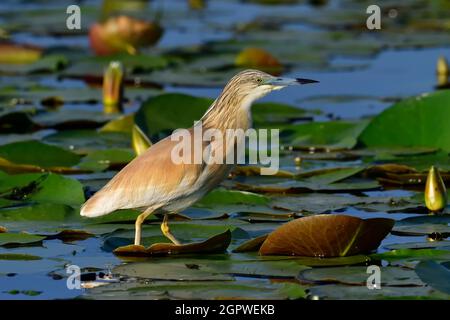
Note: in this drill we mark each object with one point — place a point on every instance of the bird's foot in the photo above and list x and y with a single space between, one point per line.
166 231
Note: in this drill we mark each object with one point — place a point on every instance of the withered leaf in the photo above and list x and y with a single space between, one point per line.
327 236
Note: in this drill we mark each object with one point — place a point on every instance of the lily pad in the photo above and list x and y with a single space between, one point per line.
351 275
218 243
39 154
327 236
330 135
412 122
17 239
48 187
435 275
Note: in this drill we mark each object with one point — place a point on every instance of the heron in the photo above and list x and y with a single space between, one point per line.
154 183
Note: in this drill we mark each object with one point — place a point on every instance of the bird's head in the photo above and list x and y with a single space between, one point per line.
255 84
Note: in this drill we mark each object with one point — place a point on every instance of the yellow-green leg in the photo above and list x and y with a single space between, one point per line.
166 230
138 224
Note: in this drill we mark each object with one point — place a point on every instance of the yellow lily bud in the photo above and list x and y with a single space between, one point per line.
435 192
298 161
442 66
113 87
139 140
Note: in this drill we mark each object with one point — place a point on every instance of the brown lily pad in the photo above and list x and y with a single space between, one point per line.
3 229
68 235
327 236
251 245
215 244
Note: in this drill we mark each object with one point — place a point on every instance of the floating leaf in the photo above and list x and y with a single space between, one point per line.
169 271
345 292
251 245
15 53
412 255
221 196
412 122
329 135
327 236
38 153
435 275
218 243
18 257
48 187
17 239
353 275
113 159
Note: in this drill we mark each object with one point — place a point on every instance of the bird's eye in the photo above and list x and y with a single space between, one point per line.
259 80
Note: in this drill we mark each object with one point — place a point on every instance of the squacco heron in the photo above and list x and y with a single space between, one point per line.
154 183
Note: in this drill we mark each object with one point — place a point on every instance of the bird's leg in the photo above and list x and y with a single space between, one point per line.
140 219
166 231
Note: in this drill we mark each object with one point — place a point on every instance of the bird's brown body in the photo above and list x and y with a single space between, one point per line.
154 183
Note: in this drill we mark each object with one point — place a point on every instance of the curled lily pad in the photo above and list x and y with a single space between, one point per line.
69 235
327 236
218 243
251 245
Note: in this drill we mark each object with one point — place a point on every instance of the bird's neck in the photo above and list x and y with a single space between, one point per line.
229 111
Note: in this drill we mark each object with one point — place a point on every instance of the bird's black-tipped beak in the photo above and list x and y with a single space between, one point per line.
305 81
283 82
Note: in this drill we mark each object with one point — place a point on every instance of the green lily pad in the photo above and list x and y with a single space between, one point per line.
169 271
332 291
435 275
18 257
47 187
15 239
412 255
222 196
329 135
39 154
205 290
103 159
352 275
412 122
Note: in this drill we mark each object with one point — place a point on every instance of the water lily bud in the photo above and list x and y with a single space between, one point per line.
123 34
298 161
139 140
258 58
3 229
442 66
435 192
113 87
197 4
